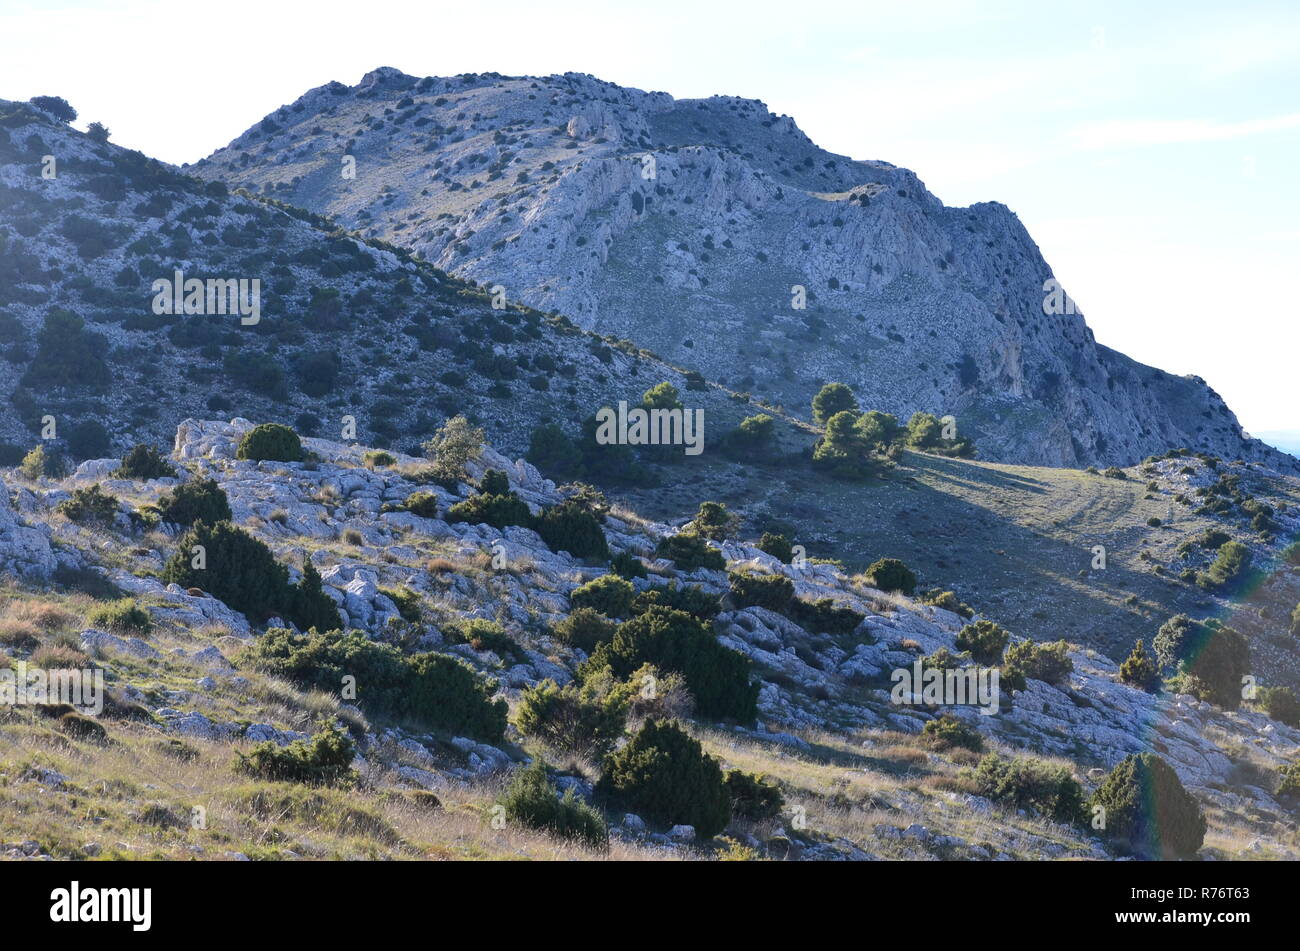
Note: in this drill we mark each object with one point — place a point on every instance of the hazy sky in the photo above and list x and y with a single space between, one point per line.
1151 152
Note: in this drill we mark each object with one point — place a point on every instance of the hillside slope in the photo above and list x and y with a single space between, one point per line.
691 226
857 775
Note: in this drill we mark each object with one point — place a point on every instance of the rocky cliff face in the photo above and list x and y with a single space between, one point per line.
716 234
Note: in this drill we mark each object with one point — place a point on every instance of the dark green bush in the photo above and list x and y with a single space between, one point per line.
432 690
946 732
90 506
68 355
572 527
584 719
665 776
423 504
88 439
1140 669
718 677
484 635
531 800
1228 568
1026 660
628 566
824 616
243 572
201 500
608 594
690 598
831 399
270 442
1031 783
145 462
1210 659
890 574
689 552
123 616
1280 704
585 628
324 760
1148 813
714 522
985 641
498 511
751 797
774 592
778 546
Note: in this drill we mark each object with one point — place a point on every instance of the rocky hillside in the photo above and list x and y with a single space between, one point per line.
196 702
716 234
348 333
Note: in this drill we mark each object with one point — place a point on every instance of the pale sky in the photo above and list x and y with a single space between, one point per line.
1151 153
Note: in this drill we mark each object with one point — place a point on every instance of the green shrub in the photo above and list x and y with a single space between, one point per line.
432 690
452 448
585 628
949 601
309 606
1026 660
751 797
1114 473
377 458
985 641
552 451
774 592
628 566
572 527
753 440
82 727
1147 812
324 760
1280 704
690 598
68 354
407 601
43 464
123 616
494 482
270 442
1031 783
824 616
714 522
890 574
1228 568
201 500
665 776
831 399
689 552
778 546
484 635
1288 786
1140 669
90 506
583 719
88 439
947 732
1211 659
144 462
423 504
531 800
498 511
718 677
241 571
608 594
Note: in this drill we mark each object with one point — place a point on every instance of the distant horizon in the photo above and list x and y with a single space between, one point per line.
1149 152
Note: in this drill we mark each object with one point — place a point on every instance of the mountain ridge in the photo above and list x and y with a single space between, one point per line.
540 184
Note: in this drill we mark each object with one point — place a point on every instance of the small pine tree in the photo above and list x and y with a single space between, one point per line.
1140 669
